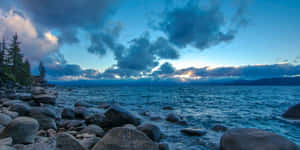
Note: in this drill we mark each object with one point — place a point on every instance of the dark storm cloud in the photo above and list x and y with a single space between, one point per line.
164 69
246 72
197 26
68 16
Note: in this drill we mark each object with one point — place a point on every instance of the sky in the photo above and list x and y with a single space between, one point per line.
178 40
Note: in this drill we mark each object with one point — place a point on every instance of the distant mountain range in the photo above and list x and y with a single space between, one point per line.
267 81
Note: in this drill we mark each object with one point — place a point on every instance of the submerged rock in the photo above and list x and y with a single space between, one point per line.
168 108
83 104
68 113
152 131
171 117
125 139
193 132
117 116
293 112
23 130
65 141
254 139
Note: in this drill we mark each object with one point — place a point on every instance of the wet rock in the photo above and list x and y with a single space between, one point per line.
45 99
163 146
88 143
155 118
97 119
193 132
93 129
4 119
118 116
83 104
46 144
152 131
12 102
65 141
38 90
45 116
24 96
125 139
293 112
82 112
171 117
12 114
23 130
22 109
219 128
6 141
68 113
130 126
250 139
4 147
73 124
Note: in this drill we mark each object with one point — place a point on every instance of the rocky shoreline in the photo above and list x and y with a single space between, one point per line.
30 119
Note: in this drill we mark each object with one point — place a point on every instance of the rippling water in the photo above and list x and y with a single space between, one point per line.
201 106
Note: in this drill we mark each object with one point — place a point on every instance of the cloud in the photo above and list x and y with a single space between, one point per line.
33 45
68 17
245 72
164 70
197 26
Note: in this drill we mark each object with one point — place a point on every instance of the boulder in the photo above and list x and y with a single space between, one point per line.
24 96
45 99
5 147
38 90
4 119
125 139
23 130
12 102
82 112
65 141
88 143
6 141
219 128
12 114
97 119
117 116
83 104
93 129
73 124
103 105
293 112
254 139
68 113
47 144
193 132
22 109
45 116
152 131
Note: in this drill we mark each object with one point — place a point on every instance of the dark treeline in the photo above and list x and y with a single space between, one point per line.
13 66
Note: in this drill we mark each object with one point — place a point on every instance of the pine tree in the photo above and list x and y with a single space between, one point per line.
42 71
15 55
26 78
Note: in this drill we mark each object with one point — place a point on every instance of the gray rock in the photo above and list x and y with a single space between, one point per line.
12 114
152 131
293 112
68 113
11 102
47 144
4 119
38 90
23 130
103 105
22 109
82 112
45 116
97 119
73 124
117 116
24 96
65 141
254 139
168 108
6 141
193 132
4 147
45 99
130 126
93 129
125 139
88 143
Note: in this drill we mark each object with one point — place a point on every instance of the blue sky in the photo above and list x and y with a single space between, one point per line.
271 35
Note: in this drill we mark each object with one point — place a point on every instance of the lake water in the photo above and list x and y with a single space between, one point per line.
201 106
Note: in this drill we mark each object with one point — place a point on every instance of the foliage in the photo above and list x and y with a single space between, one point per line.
42 70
